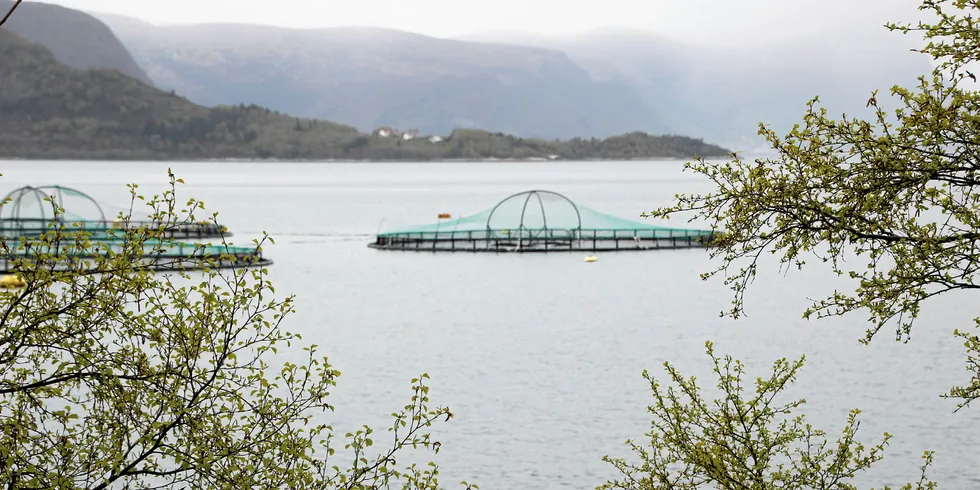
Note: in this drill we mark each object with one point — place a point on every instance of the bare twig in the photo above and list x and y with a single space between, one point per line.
9 12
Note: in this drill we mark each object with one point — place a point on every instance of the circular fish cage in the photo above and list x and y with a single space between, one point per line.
540 221
30 211
157 255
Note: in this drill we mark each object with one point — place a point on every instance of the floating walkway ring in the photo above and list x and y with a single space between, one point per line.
506 227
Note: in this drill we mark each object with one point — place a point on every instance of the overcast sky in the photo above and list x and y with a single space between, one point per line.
707 21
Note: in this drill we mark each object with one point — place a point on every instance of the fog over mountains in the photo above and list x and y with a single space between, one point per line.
595 83
70 89
722 94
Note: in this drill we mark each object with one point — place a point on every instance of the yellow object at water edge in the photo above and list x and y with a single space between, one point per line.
11 281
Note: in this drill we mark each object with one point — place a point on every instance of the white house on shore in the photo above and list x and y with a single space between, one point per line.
387 132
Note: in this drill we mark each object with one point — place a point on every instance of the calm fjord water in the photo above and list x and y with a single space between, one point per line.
540 356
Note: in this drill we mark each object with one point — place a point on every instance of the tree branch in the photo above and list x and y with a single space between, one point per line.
9 12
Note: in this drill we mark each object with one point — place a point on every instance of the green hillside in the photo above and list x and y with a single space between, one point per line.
51 110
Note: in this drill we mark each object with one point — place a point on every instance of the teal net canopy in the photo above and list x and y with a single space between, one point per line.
31 210
540 214
40 203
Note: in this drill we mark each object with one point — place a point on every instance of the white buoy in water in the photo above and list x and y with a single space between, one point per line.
591 258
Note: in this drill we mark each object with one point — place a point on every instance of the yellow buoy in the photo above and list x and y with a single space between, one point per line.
591 258
11 281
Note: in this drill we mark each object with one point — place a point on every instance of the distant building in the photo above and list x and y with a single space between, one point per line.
435 139
383 132
407 136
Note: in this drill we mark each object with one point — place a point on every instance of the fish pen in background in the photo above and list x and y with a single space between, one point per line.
158 255
540 221
41 224
31 211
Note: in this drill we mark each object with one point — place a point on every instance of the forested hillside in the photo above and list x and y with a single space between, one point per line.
50 110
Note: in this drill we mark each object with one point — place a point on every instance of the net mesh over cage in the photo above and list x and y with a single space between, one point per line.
32 210
539 220
40 204
158 255
28 212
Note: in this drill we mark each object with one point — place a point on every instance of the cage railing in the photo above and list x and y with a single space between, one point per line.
161 254
530 239
36 226
547 233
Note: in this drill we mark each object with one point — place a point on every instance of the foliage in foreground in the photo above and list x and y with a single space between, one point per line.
899 191
747 438
112 375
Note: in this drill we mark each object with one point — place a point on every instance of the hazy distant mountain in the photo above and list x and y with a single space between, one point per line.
661 69
371 77
597 83
722 94
76 38
51 110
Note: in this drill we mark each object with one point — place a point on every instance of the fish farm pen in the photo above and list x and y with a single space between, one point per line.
28 217
540 221
158 255
31 210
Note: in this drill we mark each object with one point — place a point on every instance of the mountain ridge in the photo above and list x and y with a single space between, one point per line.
373 77
604 81
52 110
598 83
76 38
724 93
